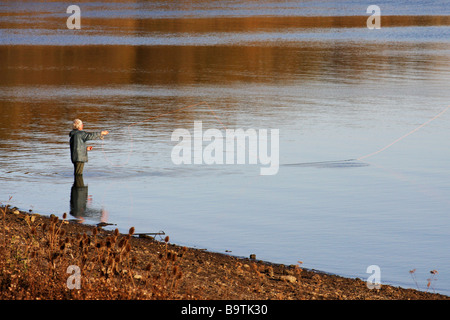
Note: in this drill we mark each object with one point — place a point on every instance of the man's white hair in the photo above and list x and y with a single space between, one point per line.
77 123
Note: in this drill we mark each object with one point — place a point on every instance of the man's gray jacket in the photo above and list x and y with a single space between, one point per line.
78 145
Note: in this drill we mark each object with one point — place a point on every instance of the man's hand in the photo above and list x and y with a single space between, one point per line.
104 133
89 148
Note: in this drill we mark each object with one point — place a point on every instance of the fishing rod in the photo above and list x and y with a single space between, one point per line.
155 117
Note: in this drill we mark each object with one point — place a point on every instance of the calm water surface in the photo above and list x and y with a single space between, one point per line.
335 90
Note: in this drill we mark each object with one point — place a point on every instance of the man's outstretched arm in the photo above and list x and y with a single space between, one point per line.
94 135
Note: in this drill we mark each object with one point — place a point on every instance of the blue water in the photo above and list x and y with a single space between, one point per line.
231 8
335 94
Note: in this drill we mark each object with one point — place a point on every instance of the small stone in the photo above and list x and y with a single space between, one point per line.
253 256
316 277
290 279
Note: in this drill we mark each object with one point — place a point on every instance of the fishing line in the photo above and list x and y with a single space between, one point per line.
353 162
155 117
404 136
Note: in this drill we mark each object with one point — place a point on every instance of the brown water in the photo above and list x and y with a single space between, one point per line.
334 89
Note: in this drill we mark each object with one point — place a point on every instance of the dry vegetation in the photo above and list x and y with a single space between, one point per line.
37 255
42 263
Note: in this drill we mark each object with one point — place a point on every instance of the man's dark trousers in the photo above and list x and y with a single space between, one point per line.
78 168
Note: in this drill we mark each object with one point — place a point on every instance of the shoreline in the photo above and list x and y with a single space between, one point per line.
155 269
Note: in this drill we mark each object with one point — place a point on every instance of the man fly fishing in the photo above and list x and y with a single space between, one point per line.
78 148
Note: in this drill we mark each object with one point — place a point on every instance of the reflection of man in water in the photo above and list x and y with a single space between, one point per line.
78 147
79 199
